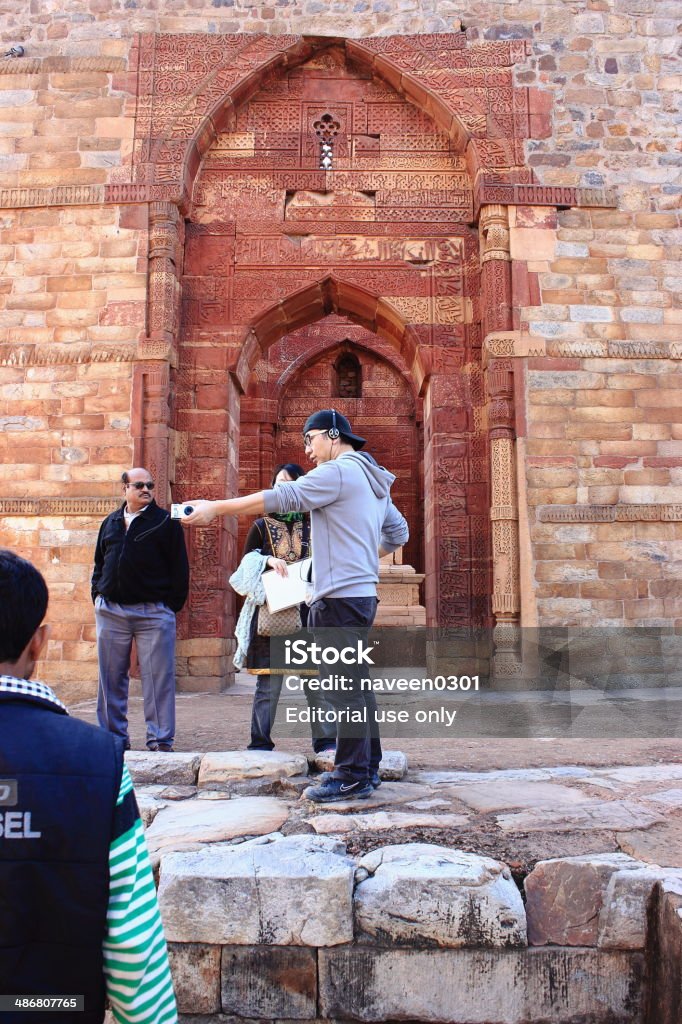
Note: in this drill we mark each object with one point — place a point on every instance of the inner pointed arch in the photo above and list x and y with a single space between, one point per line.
332 295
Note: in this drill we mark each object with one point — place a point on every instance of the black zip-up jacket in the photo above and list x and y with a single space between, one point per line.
148 563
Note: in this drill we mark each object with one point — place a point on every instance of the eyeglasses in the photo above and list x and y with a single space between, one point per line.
308 438
140 485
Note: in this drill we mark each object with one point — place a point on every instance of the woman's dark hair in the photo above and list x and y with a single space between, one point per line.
23 603
292 468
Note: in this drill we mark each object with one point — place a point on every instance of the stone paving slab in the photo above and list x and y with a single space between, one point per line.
388 793
338 824
442 778
635 807
661 844
501 795
616 814
170 769
193 823
226 769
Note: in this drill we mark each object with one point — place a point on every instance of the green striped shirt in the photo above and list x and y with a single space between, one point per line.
138 980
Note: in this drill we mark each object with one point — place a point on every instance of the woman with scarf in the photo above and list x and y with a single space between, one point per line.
273 542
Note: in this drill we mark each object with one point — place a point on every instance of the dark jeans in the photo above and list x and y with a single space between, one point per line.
265 700
343 622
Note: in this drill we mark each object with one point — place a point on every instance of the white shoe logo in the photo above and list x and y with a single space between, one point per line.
345 789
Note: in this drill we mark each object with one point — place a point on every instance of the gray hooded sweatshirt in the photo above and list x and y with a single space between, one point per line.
352 514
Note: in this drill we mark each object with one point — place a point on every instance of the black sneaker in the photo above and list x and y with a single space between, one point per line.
166 747
333 790
374 778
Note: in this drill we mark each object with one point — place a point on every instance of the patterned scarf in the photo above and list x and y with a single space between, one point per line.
287 517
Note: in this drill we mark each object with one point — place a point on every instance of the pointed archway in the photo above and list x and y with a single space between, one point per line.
383 241
383 407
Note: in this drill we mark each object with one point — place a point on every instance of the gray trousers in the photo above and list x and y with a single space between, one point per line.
152 625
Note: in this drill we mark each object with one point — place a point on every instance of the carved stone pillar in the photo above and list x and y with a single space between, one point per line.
495 269
151 419
504 511
157 351
497 315
165 264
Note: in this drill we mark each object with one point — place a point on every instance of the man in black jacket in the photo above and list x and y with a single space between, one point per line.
140 581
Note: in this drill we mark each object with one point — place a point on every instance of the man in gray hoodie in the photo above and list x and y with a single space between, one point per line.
353 523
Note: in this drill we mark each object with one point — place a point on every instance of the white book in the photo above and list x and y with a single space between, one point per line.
287 591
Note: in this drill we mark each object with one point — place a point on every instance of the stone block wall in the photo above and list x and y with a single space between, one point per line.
276 929
269 927
664 1004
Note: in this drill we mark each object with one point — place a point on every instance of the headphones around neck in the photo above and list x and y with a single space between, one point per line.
333 431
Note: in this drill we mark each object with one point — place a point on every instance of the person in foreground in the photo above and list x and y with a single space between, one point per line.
78 909
353 523
139 583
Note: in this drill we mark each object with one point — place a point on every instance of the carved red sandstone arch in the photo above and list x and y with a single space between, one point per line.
397 363
222 115
331 295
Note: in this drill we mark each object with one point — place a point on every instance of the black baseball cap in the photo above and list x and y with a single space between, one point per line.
330 419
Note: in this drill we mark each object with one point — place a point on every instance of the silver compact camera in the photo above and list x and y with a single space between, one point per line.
181 511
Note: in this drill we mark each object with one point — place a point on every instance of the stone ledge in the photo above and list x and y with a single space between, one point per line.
665 998
58 506
64 65
471 986
88 195
522 345
295 891
623 513
418 893
597 900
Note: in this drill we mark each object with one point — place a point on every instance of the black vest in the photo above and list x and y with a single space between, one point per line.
54 855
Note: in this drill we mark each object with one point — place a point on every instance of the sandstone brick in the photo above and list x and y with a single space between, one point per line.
599 431
562 572
196 976
603 414
659 397
552 590
609 590
641 611
549 496
590 314
560 396
603 495
81 300
636 449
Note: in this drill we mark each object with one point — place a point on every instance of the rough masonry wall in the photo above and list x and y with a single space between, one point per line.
599 427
